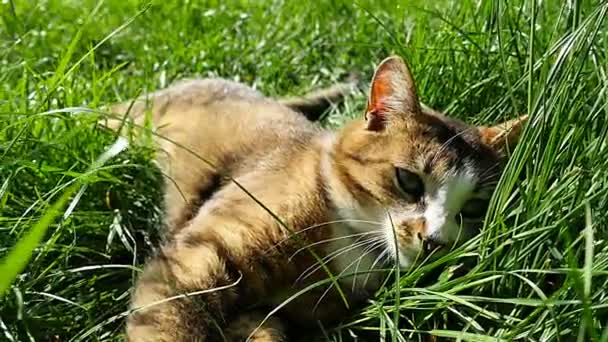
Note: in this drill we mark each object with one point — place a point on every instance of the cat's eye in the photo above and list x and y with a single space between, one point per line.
410 183
475 208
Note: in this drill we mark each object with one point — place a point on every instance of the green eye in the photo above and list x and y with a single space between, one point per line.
475 208
410 183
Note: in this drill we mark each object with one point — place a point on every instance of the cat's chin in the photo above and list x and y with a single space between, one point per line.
406 258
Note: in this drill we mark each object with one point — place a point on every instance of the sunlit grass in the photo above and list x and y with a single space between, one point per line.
537 272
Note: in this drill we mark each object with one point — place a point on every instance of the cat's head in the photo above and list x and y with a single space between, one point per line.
426 179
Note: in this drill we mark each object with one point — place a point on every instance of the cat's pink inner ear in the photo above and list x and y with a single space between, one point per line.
392 93
505 135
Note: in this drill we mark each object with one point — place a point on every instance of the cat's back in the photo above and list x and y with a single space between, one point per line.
220 121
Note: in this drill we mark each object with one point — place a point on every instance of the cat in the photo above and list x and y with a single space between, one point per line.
265 208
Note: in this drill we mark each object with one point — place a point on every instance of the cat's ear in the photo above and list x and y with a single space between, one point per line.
392 93
503 136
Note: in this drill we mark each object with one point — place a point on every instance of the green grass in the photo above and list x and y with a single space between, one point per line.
539 270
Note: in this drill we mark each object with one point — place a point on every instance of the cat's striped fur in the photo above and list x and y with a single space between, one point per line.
257 195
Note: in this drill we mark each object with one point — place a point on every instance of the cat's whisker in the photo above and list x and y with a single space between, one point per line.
490 172
488 187
323 224
316 243
331 256
328 258
486 176
371 249
375 245
488 183
378 259
316 266
489 177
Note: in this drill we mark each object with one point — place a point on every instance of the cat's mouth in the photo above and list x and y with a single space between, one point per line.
433 247
419 250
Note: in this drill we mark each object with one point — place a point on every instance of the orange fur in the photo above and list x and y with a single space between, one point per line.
310 194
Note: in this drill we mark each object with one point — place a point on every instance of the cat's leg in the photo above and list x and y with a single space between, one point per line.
194 286
183 294
249 327
189 183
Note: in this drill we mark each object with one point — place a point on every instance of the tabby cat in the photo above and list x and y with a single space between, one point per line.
265 207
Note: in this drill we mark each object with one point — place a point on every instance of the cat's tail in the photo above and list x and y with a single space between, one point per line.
315 104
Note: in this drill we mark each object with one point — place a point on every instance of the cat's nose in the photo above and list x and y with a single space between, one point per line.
431 245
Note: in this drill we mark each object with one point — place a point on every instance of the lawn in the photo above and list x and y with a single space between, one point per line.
537 272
